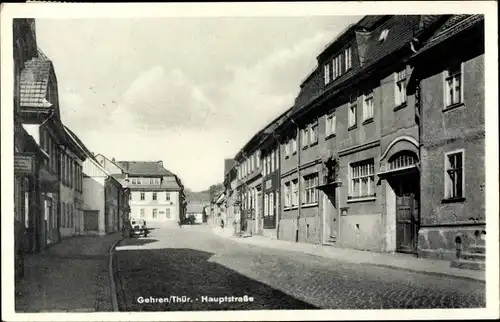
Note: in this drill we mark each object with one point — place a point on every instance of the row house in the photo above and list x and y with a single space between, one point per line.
394 106
156 194
105 204
231 203
450 77
47 162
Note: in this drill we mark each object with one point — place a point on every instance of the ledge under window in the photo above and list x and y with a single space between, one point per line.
294 153
352 127
287 157
368 121
452 200
305 147
453 106
290 208
308 205
329 136
400 106
361 199
313 144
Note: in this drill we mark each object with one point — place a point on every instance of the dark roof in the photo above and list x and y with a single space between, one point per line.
401 30
454 25
144 168
228 165
34 83
78 141
195 207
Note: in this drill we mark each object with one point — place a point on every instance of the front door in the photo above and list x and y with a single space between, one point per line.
330 215
407 213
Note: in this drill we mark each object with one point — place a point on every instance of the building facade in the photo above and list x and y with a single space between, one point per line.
156 194
377 122
450 68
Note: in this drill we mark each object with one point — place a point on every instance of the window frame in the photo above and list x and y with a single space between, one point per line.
400 78
311 195
295 192
142 213
356 195
446 175
368 96
327 78
155 196
447 105
143 196
352 121
348 58
313 130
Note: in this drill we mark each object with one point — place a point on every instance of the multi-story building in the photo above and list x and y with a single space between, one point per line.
450 77
47 160
156 194
368 133
229 192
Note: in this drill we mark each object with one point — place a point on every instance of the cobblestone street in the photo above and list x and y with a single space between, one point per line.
192 262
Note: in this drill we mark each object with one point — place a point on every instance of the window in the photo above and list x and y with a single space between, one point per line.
401 160
326 73
362 183
453 85
401 87
130 196
454 175
330 125
336 65
266 205
348 58
295 192
313 132
167 196
258 159
277 159
271 205
287 149
368 106
294 145
142 213
288 195
268 165
273 156
383 35
310 189
352 119
155 196
305 137
143 196
155 213
139 180
167 213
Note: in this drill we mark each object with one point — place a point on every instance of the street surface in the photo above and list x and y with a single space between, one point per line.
189 268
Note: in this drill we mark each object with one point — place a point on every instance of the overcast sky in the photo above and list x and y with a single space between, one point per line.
188 91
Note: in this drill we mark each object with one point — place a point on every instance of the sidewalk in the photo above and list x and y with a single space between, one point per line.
398 261
71 276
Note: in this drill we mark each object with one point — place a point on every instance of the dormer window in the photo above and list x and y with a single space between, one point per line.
326 73
383 35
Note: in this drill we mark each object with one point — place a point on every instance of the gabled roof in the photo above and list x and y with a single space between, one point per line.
454 25
78 141
34 83
228 165
145 168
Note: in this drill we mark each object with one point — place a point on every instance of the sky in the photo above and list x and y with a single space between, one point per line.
188 91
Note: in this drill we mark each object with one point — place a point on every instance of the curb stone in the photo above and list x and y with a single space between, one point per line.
114 297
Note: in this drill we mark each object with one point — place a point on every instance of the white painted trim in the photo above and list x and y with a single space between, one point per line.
446 154
396 140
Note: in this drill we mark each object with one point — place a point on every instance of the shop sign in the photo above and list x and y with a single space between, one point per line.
24 163
269 184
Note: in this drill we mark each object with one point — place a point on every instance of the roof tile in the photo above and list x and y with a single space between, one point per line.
34 83
144 168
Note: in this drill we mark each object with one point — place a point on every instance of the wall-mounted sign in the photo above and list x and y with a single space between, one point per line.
24 164
269 184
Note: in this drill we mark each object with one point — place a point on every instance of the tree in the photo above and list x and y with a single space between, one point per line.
215 190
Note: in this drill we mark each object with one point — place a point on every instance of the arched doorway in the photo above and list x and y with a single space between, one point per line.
405 182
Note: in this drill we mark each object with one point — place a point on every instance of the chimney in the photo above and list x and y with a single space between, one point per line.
160 163
113 159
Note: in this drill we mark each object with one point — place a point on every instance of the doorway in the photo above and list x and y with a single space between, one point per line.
330 217
406 188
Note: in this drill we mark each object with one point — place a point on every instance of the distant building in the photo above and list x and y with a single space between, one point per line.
196 210
156 194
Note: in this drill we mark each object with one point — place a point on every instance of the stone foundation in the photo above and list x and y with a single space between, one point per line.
442 242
